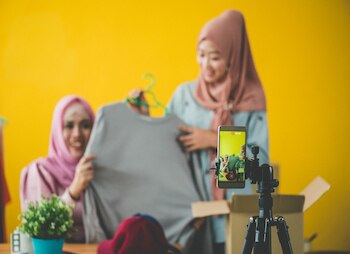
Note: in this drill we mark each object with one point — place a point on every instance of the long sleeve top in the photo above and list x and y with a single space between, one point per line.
140 168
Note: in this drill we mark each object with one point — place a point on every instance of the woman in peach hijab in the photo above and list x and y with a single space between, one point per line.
228 91
65 171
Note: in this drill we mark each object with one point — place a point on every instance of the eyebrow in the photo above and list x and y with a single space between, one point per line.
72 121
214 51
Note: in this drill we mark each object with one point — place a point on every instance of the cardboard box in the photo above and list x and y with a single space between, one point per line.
242 207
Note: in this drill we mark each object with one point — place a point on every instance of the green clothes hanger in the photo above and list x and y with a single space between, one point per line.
148 90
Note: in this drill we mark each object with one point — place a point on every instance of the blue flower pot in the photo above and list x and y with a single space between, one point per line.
45 246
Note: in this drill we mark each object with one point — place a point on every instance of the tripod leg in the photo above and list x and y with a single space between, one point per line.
249 239
262 243
283 235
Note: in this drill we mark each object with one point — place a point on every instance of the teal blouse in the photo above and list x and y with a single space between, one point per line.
193 114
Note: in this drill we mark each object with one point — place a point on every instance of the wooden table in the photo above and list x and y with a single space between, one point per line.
68 247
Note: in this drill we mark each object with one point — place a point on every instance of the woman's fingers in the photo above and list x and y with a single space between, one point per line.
87 158
85 167
191 148
185 128
135 93
89 175
190 145
138 94
185 138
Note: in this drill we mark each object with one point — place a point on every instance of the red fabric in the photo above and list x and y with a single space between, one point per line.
136 235
4 192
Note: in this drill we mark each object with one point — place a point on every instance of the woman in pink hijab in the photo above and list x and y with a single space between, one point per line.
65 171
228 91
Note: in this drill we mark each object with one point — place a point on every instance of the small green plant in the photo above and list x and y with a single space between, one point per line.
49 218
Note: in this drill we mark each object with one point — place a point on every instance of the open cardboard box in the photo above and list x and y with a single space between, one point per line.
242 207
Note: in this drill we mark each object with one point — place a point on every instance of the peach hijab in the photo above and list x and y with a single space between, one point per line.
241 90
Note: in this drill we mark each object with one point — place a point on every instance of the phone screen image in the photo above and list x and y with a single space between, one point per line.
231 155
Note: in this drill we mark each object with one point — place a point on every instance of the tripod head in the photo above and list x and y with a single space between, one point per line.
263 175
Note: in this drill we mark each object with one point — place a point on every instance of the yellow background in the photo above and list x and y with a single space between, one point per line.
101 49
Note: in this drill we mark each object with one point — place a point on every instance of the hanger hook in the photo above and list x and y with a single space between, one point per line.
153 81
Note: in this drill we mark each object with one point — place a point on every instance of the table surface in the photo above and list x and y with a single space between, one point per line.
67 247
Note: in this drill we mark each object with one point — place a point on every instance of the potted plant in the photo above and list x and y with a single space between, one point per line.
47 222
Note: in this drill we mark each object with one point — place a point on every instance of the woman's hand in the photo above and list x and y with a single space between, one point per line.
138 94
197 139
84 173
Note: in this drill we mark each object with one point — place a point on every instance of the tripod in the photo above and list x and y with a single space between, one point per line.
259 227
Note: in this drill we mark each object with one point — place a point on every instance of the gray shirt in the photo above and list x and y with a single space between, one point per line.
140 168
193 114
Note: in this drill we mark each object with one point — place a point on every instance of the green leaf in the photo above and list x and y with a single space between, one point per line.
49 218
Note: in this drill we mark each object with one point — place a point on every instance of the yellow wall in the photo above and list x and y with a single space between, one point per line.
100 50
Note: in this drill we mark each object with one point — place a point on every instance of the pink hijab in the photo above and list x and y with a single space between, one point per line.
241 90
59 163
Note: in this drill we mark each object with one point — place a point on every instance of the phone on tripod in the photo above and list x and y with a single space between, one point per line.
231 155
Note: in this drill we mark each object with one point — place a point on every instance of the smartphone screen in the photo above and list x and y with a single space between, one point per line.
231 156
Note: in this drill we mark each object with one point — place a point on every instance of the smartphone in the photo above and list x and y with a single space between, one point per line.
231 155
